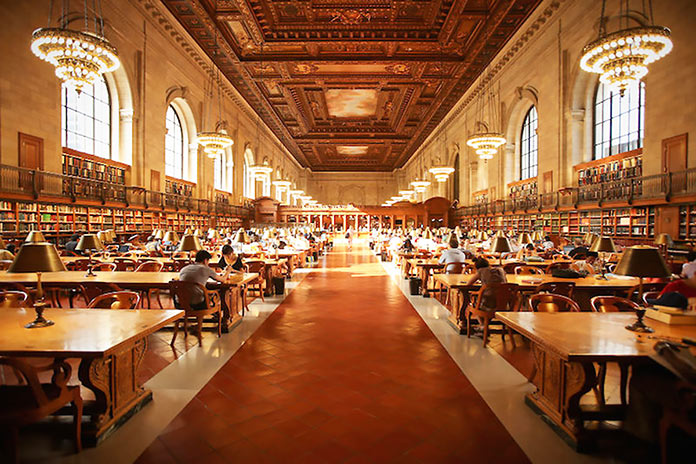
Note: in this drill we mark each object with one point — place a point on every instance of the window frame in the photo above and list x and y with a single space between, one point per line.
64 129
614 141
531 125
180 174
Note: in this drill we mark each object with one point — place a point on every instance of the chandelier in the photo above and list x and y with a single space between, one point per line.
406 194
420 186
80 57
441 173
260 172
214 143
621 58
282 184
486 144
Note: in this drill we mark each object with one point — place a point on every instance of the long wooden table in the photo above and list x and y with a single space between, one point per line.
566 346
140 281
527 283
110 344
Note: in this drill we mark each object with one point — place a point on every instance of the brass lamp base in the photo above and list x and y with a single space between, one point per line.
639 325
40 321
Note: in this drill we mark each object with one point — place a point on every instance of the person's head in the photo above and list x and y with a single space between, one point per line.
203 257
591 256
578 242
454 243
11 247
74 237
227 251
481 262
547 239
691 256
529 247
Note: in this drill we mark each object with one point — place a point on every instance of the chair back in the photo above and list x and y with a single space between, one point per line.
509 268
506 296
91 290
5 264
632 293
62 371
454 268
104 267
116 300
80 264
649 296
182 292
14 299
552 303
256 266
613 304
558 265
528 270
150 266
558 288
125 264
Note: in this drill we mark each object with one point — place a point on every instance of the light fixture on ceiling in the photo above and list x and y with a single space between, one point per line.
214 143
621 58
282 184
442 171
260 172
80 57
487 140
420 185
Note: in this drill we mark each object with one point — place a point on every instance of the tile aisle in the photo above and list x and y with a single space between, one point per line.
343 371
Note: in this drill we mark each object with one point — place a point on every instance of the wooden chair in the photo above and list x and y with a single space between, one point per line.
509 268
528 270
632 293
25 404
452 268
613 304
649 296
552 303
182 291
91 290
258 284
14 299
125 264
559 288
5 264
81 264
682 417
116 300
104 267
506 298
151 266
557 265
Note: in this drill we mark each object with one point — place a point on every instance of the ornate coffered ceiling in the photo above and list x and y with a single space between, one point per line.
352 85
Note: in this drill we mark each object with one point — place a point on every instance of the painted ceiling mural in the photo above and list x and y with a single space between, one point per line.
352 85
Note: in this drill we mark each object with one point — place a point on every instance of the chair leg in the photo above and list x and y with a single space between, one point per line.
219 313
176 330
623 382
663 429
199 334
13 445
512 338
159 302
485 331
77 418
467 315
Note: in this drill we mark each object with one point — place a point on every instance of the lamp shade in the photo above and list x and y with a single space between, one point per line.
663 239
538 236
642 261
159 234
524 238
604 244
198 233
482 235
241 237
213 234
500 245
103 236
35 236
112 235
89 242
500 233
37 257
171 237
188 231
190 243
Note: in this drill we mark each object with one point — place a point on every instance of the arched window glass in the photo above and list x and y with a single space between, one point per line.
249 180
86 119
529 145
174 145
619 121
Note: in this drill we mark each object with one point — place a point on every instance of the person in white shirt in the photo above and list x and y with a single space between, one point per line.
689 268
588 265
452 255
547 244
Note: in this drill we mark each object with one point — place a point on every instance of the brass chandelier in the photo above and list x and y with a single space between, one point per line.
487 140
621 58
80 57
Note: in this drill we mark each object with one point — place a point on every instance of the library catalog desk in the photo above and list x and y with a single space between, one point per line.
110 345
566 346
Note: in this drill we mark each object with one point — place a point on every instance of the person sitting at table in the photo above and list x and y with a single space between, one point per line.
526 251
407 246
452 255
587 265
689 268
72 243
153 244
199 272
580 250
487 275
547 244
686 287
229 258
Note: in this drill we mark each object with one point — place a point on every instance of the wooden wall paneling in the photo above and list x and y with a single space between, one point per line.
155 181
674 159
547 182
31 156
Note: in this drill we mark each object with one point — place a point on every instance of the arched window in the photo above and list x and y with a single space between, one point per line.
218 172
86 119
619 121
529 145
174 145
249 180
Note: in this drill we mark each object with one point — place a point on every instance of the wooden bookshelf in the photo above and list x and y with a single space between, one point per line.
480 197
85 166
179 187
523 188
612 168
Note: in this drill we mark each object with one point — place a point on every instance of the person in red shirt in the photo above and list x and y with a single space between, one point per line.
686 287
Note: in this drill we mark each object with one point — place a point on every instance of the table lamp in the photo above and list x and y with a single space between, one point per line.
37 257
428 235
500 245
482 236
241 237
603 245
170 236
191 244
111 234
188 231
537 236
213 234
35 236
663 242
159 234
641 261
198 233
500 233
103 236
524 239
89 243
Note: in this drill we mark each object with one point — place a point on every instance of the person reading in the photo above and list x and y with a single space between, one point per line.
199 272
452 255
231 260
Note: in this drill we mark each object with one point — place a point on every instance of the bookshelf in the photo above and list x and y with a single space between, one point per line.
480 197
84 166
622 166
178 187
523 188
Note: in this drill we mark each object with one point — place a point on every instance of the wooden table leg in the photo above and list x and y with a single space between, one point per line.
425 275
117 392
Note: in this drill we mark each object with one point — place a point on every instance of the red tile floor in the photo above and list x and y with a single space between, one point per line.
343 371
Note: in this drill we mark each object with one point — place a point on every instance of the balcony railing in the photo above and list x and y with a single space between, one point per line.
656 187
35 183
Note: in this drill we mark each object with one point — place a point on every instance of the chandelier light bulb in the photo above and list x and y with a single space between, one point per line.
486 144
214 143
